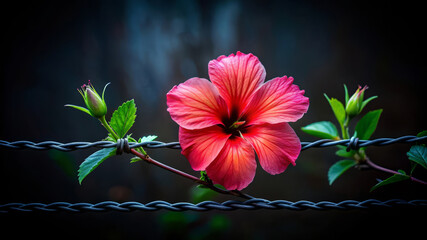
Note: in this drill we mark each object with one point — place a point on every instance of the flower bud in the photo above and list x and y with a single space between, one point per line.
356 104
96 106
94 103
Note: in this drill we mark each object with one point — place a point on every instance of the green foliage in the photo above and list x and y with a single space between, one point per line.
418 154
337 108
123 118
339 168
364 129
135 159
367 125
96 106
324 129
342 152
346 94
366 102
93 161
79 108
422 134
393 179
148 138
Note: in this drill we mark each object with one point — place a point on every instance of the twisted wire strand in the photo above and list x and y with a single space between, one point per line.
353 143
253 204
231 205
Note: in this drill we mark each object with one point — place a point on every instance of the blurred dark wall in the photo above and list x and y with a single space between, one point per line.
144 48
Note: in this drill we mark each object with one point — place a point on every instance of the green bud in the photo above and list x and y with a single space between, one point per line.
95 104
356 104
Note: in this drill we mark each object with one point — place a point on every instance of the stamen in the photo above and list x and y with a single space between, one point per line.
240 133
237 124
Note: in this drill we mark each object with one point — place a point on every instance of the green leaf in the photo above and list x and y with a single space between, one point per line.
392 179
123 118
109 138
148 138
339 168
324 129
418 154
363 105
367 124
337 108
103 91
346 94
135 159
422 134
79 108
93 161
342 152
131 139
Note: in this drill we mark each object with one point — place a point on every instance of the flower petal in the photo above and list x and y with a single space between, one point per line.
201 146
235 166
276 145
196 104
278 100
237 77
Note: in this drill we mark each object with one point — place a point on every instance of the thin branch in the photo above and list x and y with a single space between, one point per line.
189 176
383 169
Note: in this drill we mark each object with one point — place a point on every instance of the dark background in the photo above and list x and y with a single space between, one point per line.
144 48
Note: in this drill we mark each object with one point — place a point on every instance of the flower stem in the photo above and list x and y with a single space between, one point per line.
188 176
109 129
383 169
344 128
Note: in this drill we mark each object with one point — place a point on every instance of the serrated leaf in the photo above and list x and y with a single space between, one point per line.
393 179
418 154
324 129
422 134
339 168
93 161
148 138
337 108
367 124
123 118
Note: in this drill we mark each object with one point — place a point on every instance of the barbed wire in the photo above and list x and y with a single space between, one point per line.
231 205
353 143
252 204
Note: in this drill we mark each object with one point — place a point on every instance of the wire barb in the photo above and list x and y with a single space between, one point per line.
353 144
122 146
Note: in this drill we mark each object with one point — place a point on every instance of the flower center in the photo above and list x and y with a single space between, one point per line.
235 129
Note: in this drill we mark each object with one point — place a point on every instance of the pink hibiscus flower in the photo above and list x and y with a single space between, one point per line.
222 122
